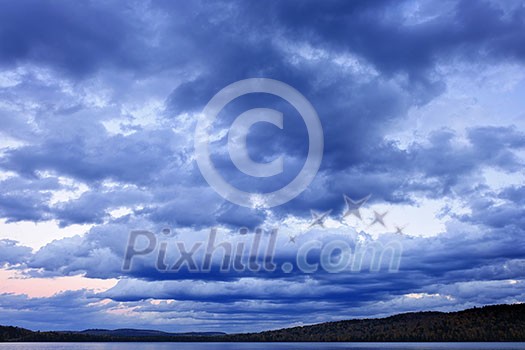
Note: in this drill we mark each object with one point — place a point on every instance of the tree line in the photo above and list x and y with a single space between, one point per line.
499 323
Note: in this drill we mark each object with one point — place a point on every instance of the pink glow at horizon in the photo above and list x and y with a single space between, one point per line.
11 282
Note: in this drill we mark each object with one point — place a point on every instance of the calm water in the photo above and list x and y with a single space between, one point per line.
258 346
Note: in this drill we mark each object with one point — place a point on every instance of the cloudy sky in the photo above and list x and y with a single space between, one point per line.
421 106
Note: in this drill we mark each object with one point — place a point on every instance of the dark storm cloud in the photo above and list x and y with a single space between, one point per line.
24 311
448 258
466 29
515 194
356 113
26 199
77 38
96 156
488 146
502 210
92 207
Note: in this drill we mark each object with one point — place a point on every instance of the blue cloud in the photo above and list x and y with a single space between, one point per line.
12 253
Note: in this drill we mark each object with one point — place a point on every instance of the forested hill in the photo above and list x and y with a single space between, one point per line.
489 323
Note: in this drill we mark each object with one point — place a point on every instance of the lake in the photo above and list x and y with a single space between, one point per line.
259 346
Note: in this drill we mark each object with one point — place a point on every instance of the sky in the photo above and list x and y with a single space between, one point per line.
422 118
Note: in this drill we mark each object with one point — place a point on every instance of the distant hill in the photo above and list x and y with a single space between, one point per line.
490 323
16 334
128 332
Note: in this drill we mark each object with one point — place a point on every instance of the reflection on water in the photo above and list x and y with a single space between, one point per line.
259 346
